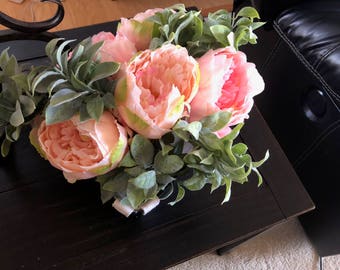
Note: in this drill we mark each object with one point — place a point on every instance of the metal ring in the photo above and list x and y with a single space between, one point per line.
34 27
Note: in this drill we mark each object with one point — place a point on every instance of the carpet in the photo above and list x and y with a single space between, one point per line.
283 247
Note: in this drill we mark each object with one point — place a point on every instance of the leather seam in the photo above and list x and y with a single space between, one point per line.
328 89
272 54
304 155
326 55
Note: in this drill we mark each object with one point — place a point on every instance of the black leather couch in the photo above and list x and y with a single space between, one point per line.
299 57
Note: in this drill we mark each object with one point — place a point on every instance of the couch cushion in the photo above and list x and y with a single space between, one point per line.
312 30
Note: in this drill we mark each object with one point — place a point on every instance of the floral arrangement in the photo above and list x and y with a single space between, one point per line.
150 111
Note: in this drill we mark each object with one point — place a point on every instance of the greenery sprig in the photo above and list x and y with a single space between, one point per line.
76 82
189 29
17 104
188 158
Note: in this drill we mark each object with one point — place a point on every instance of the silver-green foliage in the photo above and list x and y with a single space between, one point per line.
187 158
76 81
17 104
189 29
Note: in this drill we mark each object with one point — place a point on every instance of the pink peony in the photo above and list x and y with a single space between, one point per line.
228 83
115 48
138 30
151 97
81 150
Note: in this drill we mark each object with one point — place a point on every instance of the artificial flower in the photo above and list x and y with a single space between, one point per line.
151 96
228 83
115 48
81 150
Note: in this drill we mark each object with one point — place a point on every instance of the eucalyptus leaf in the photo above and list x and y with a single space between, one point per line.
142 151
134 171
135 195
180 195
168 164
220 32
117 184
216 121
127 161
249 12
196 182
145 180
95 107
164 179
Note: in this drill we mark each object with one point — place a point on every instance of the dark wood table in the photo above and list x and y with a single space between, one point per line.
46 223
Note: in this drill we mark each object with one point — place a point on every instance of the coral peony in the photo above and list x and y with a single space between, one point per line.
228 82
81 150
115 48
151 96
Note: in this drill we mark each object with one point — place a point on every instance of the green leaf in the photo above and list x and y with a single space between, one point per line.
21 81
95 107
259 176
220 33
227 147
117 184
196 182
5 147
134 171
135 195
60 113
180 195
105 195
227 189
145 180
165 148
28 105
234 133
127 161
194 128
257 164
249 12
215 180
40 77
17 117
60 56
54 84
168 164
164 179
76 55
4 57
104 70
209 160
83 114
166 193
109 101
65 96
142 151
216 121
240 149
51 46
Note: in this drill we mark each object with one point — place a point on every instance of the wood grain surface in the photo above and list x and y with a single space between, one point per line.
86 12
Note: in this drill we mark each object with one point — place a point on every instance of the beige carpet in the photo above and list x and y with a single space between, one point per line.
283 247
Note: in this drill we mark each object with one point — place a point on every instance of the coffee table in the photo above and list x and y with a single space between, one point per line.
46 223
